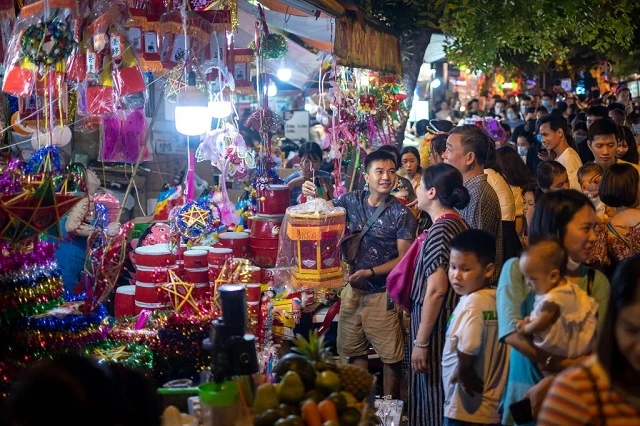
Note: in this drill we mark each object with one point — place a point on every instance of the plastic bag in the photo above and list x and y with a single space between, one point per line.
171 37
113 75
309 248
40 44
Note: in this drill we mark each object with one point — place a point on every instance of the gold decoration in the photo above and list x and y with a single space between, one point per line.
180 293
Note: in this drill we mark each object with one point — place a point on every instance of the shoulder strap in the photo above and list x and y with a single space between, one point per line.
376 214
591 275
614 231
596 393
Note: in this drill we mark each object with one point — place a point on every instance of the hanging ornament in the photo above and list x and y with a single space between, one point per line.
272 46
47 43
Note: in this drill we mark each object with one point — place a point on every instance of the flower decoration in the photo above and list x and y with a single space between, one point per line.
368 103
272 46
47 43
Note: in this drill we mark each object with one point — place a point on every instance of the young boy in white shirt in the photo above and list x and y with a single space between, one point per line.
474 362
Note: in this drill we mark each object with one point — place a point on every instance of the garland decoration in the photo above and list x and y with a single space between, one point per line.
272 46
47 43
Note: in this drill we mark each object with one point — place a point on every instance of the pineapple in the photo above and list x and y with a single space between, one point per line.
355 380
314 349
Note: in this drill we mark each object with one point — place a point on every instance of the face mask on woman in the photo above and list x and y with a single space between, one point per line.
522 151
511 116
546 103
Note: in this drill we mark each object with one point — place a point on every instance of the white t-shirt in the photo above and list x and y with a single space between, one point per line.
504 193
571 161
473 330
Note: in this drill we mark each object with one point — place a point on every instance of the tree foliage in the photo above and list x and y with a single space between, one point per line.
508 33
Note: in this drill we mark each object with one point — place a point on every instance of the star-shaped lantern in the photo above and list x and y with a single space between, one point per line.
33 213
180 294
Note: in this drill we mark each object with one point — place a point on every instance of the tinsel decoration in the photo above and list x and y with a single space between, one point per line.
179 351
46 159
47 43
129 354
272 46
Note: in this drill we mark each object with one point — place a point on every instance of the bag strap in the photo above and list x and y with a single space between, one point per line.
614 231
376 214
591 275
596 393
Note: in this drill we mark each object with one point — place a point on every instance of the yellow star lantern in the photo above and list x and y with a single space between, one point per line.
180 294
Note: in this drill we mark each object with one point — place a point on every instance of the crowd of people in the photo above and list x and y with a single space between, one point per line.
523 291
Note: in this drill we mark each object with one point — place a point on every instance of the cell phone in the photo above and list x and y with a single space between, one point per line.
521 411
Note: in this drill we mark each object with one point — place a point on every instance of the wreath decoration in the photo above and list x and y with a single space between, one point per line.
47 43
272 46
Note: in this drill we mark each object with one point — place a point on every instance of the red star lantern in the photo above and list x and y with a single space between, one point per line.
37 213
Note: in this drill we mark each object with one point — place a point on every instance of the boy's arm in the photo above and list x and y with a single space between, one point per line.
466 375
546 317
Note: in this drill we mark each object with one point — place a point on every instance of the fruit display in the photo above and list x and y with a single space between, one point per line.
313 390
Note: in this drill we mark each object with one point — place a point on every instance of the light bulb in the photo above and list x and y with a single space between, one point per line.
436 83
284 73
192 110
272 90
219 109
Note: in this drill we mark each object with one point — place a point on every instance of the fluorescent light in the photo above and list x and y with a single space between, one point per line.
192 110
219 109
272 90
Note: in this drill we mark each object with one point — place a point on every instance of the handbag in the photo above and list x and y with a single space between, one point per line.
400 279
350 245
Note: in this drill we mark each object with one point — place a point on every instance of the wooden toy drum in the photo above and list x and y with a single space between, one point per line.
273 199
155 256
238 242
195 259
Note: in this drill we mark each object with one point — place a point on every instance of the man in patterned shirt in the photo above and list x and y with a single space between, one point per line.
367 317
467 150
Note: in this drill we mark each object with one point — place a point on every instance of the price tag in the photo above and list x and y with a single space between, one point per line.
91 62
116 47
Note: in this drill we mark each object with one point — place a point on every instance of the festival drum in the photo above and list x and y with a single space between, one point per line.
238 242
201 291
195 259
197 275
263 240
141 306
124 304
253 292
273 200
152 275
155 256
149 293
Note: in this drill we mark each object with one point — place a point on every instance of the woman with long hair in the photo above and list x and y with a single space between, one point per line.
440 193
410 163
569 218
605 388
517 175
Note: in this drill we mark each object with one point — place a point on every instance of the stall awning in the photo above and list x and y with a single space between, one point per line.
357 42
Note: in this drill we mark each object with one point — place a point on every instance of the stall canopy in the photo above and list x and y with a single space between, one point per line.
435 49
303 64
358 42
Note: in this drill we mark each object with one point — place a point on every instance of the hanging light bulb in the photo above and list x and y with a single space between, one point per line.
219 108
272 90
284 72
192 110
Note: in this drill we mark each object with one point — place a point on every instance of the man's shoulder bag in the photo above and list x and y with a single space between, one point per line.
350 245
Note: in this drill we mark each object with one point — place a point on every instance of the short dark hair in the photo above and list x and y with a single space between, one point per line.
597 111
551 251
532 188
553 212
378 155
616 106
475 139
514 107
602 127
311 150
562 106
580 125
555 122
393 150
542 109
525 98
587 169
447 180
421 127
547 95
619 186
478 242
547 171
625 290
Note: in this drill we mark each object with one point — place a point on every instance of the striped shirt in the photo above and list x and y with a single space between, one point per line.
572 400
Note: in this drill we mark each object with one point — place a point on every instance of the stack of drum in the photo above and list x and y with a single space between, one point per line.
196 271
264 228
152 270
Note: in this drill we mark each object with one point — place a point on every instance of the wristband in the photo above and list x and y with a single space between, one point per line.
420 345
373 273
